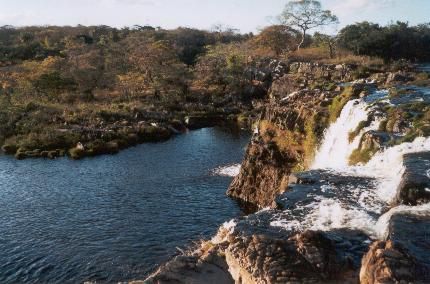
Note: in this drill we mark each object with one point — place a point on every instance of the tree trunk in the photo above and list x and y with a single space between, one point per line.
331 48
302 41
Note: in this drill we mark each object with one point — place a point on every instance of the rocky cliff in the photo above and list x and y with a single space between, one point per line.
366 221
288 130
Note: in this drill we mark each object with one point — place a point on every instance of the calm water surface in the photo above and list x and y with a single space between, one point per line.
113 218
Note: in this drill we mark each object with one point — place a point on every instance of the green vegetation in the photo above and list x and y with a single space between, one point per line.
300 143
287 141
392 42
363 124
340 101
362 156
312 131
110 88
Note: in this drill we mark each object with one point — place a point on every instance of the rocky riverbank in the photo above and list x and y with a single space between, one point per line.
111 136
348 219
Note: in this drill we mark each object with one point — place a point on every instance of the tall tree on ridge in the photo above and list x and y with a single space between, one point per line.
306 15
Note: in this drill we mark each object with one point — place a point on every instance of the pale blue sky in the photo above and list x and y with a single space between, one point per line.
246 15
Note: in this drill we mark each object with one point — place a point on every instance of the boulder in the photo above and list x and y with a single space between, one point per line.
210 268
404 257
373 140
387 262
76 153
414 188
260 253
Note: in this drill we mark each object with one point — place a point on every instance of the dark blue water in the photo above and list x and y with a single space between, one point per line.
113 218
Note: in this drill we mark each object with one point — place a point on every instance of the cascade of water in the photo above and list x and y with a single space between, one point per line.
336 148
385 168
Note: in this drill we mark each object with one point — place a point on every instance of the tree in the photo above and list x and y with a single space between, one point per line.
395 41
306 15
277 38
222 69
326 41
155 67
361 38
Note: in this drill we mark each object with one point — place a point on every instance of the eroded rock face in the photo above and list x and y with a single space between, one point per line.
374 140
199 267
387 262
404 257
263 175
260 253
415 186
327 71
288 129
277 147
398 77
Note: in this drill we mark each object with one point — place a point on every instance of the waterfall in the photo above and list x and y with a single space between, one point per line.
336 148
355 206
387 166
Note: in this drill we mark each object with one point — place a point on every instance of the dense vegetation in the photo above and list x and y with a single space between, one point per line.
64 85
392 42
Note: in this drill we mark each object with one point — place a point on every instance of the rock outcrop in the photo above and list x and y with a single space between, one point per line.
260 253
288 131
414 188
209 268
400 258
314 226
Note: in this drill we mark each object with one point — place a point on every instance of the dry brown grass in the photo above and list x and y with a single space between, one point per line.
355 60
322 55
287 141
311 54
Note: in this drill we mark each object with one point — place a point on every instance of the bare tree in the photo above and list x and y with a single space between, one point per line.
306 15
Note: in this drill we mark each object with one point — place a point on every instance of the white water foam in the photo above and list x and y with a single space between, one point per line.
228 171
336 149
387 166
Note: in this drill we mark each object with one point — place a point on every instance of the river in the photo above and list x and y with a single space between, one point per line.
113 218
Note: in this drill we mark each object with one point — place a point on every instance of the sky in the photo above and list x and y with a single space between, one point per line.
245 15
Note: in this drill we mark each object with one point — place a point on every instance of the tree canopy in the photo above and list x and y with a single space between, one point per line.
306 15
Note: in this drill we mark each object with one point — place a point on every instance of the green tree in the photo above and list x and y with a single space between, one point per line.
326 41
360 37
